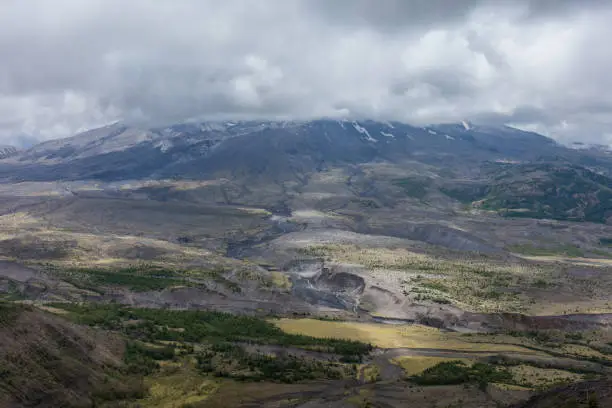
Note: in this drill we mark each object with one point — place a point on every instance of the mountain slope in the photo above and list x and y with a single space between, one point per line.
551 191
48 362
540 190
280 150
8 151
112 138
587 394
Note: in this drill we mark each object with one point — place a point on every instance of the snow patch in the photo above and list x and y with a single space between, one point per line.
432 132
365 132
466 125
409 137
590 146
507 161
387 134
6 151
389 125
449 137
164 145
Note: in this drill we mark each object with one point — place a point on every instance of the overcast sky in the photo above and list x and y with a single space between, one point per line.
68 65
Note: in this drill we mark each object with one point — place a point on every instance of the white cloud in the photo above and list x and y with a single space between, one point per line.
73 64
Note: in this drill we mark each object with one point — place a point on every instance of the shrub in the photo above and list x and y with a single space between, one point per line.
457 372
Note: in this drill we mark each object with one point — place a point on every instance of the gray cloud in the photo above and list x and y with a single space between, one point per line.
395 14
419 14
68 65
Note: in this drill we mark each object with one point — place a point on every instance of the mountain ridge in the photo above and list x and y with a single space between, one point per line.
200 149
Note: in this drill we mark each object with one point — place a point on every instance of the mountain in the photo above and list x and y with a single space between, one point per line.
521 180
277 150
8 151
95 142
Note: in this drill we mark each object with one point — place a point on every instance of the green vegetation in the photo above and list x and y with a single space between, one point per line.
565 250
605 241
412 186
466 193
366 203
439 286
8 313
221 343
142 359
540 190
441 301
599 252
137 283
540 283
457 372
233 361
562 192
12 293
139 278
203 327
583 369
546 336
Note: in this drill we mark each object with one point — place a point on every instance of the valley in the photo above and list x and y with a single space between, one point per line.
304 264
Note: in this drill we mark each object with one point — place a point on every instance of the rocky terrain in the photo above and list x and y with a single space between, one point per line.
457 241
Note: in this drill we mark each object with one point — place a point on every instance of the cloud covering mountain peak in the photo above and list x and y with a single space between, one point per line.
70 65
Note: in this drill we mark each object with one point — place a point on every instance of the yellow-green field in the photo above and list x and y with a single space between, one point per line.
577 261
583 351
369 373
394 336
178 385
280 280
414 365
530 376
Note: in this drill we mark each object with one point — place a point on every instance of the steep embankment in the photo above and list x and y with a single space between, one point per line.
48 362
585 394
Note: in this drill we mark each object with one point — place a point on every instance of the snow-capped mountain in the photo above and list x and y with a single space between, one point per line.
276 149
8 151
107 139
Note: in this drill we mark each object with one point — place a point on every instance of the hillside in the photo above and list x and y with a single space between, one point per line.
46 361
8 151
588 394
557 191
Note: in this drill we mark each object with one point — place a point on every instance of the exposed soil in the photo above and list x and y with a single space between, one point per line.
581 395
17 272
48 362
